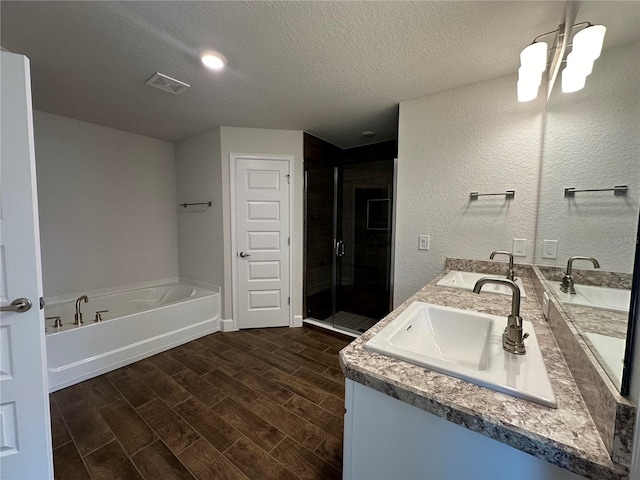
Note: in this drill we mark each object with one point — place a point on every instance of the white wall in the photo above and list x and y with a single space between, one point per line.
107 206
592 140
474 138
274 142
200 233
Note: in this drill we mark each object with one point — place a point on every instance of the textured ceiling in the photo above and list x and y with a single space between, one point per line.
332 69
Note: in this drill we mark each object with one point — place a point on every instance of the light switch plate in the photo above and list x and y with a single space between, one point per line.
519 247
423 242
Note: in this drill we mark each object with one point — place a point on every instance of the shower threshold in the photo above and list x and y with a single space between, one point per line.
345 322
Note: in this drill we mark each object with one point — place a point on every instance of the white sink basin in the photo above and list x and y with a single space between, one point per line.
602 298
466 345
467 280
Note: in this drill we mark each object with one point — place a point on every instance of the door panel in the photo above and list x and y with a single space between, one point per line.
25 429
262 223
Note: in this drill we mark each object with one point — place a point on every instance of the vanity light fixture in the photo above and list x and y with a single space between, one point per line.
586 48
213 60
535 61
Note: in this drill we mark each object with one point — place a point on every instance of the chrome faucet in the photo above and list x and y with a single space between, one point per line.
78 315
510 273
567 285
512 338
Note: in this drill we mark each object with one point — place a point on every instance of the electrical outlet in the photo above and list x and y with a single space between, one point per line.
519 247
423 243
550 249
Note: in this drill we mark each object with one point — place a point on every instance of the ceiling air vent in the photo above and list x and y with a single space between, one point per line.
167 84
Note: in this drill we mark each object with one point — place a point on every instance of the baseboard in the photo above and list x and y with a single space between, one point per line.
228 325
297 321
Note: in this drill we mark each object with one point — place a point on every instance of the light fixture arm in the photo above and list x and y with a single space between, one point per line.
560 43
586 24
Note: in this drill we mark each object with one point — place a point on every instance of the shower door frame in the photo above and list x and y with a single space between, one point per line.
334 262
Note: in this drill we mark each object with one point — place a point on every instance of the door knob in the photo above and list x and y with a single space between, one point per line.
19 305
243 255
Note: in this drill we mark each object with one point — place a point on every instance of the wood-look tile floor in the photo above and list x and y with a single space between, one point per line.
257 404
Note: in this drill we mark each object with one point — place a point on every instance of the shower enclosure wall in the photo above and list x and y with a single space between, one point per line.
348 229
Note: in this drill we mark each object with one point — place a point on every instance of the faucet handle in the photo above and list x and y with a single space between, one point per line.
57 323
99 315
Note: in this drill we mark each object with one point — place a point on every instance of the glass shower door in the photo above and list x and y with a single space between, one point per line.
319 243
363 270
348 212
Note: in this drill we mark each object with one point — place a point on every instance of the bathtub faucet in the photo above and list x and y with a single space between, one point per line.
78 315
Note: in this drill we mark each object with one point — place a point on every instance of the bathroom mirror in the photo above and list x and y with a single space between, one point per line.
592 142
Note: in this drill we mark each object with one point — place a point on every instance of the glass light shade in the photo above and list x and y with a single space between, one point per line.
535 57
572 80
213 60
526 91
528 75
588 42
580 63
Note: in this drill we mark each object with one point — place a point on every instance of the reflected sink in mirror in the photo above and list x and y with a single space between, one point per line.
601 298
610 351
466 345
467 280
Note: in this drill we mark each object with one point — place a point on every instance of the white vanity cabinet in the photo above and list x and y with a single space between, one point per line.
385 438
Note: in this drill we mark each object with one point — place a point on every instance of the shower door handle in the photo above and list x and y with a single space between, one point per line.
19 305
339 248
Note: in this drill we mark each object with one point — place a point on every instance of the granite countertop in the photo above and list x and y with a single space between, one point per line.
566 436
603 322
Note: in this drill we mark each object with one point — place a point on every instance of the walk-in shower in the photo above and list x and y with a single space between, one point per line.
348 242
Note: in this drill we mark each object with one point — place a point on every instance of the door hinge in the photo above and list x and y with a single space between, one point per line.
288 240
41 303
288 178
288 300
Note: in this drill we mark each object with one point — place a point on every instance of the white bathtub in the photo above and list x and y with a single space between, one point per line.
140 323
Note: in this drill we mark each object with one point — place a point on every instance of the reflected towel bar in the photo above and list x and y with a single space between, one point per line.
617 190
508 194
185 205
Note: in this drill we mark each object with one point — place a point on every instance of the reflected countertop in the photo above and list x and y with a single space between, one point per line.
566 436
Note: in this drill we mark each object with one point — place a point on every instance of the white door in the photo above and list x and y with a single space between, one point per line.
262 242
25 429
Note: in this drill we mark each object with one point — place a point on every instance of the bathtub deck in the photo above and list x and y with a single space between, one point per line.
250 404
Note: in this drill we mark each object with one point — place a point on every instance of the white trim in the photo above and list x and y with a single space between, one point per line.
116 289
392 269
228 325
233 157
347 443
297 321
326 326
196 283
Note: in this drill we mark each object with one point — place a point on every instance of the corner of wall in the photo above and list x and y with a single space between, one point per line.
472 138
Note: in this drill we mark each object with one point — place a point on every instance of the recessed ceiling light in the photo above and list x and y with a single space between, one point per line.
213 60
369 133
